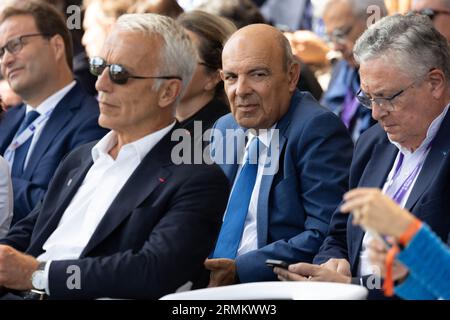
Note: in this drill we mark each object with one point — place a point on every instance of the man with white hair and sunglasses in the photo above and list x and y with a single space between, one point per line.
120 219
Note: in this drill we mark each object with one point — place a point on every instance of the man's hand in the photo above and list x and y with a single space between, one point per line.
341 266
16 268
306 271
309 47
223 272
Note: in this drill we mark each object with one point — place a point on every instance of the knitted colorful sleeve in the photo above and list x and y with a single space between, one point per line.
428 261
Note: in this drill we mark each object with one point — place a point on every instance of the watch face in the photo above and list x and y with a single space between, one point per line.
37 280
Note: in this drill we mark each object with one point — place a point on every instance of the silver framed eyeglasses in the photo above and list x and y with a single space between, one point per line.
385 103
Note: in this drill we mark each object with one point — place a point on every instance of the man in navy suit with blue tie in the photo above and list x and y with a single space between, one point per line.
56 116
405 154
286 157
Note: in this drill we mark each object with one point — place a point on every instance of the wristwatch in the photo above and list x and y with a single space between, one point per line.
38 279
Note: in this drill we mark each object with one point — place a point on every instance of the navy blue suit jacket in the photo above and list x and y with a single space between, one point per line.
295 204
429 199
73 122
153 238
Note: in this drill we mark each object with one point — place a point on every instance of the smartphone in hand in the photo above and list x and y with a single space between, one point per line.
277 263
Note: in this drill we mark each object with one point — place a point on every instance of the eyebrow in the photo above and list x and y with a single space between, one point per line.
377 94
255 69
259 69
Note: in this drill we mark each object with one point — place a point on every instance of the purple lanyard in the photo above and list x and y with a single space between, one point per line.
349 107
406 185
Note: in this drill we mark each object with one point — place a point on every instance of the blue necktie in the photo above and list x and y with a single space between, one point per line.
21 152
233 224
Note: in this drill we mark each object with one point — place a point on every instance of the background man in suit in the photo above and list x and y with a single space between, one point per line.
405 72
57 115
119 211
281 211
345 21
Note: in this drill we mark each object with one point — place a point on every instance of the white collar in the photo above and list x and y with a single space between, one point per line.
141 147
264 136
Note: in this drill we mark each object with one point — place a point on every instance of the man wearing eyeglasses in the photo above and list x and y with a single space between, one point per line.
120 219
56 116
345 21
438 11
405 82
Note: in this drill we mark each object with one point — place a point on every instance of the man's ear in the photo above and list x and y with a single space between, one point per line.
169 92
293 74
437 83
57 43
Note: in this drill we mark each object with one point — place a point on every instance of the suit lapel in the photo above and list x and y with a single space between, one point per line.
439 150
10 125
69 189
267 179
60 116
226 153
379 165
151 172
264 191
374 176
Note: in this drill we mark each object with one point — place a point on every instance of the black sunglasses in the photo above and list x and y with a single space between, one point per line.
117 73
430 13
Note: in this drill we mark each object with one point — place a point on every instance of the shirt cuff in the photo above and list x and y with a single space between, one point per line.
46 271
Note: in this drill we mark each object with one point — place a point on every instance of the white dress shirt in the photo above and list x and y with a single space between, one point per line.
410 161
98 190
249 240
6 198
45 106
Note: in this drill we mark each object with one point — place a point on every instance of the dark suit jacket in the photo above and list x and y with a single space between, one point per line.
295 204
153 238
73 122
429 199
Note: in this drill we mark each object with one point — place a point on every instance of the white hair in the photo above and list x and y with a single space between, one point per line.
410 42
177 55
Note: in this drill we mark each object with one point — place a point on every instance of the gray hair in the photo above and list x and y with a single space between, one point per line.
177 55
411 43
